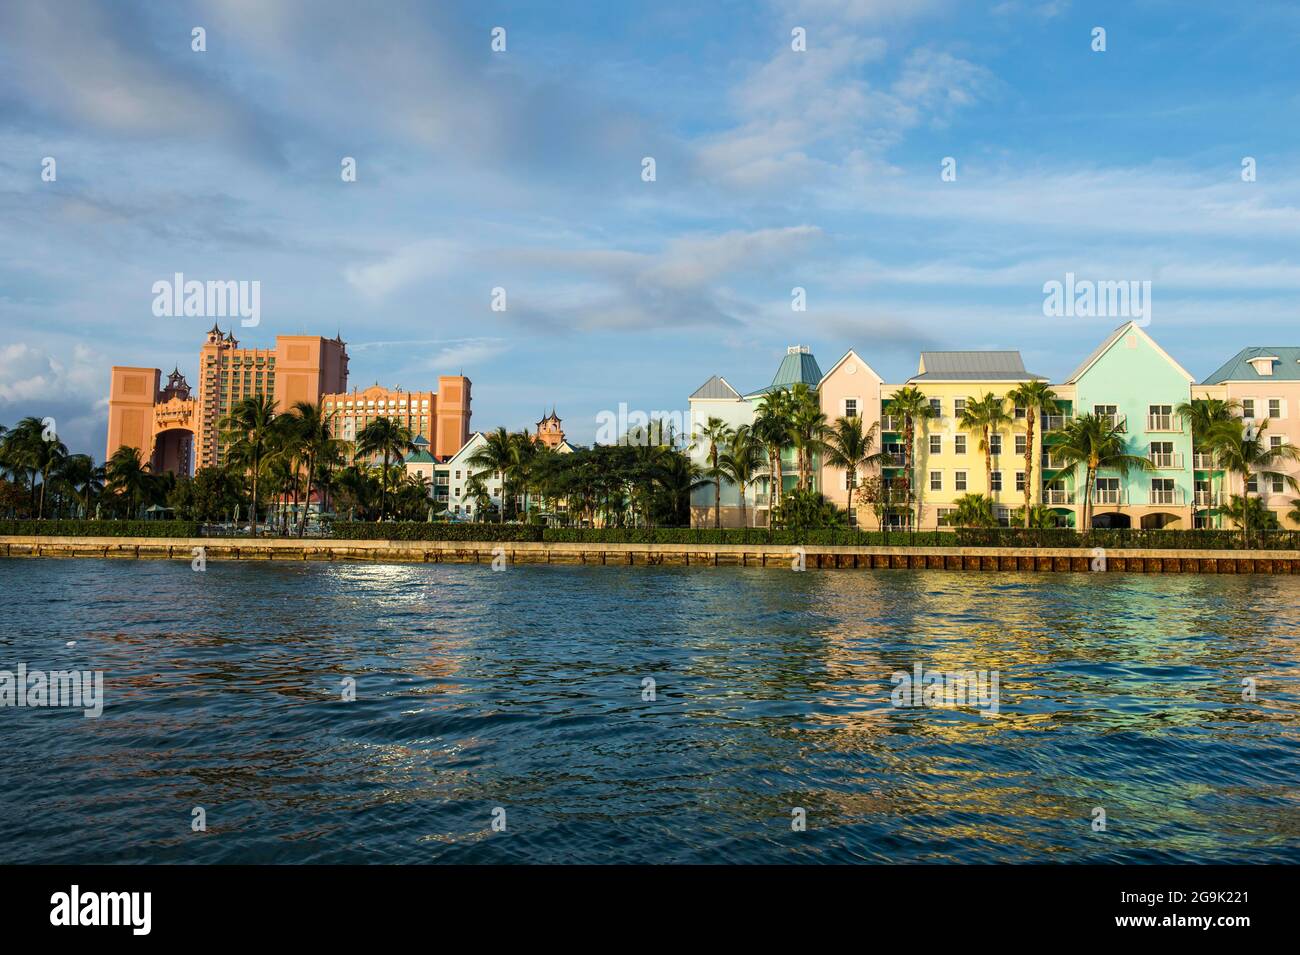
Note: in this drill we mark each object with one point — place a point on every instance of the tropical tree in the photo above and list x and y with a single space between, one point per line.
773 420
1093 444
1247 452
316 444
1203 415
741 463
498 454
1037 398
83 479
48 457
129 478
807 430
914 406
247 432
972 510
1293 515
389 439
715 433
851 447
987 416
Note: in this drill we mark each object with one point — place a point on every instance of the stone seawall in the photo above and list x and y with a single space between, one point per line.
1055 559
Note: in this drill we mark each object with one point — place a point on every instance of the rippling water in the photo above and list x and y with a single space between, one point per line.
523 690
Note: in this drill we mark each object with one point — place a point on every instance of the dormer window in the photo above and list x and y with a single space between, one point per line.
1263 365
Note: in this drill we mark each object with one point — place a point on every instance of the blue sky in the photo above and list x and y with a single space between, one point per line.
522 169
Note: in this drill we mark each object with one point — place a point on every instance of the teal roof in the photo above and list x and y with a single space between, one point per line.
797 366
1238 367
419 441
419 457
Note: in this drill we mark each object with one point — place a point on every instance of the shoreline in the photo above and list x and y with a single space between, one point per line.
815 557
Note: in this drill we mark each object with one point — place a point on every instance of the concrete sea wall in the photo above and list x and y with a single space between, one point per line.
695 555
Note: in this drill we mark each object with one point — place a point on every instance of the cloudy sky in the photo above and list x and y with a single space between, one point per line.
522 169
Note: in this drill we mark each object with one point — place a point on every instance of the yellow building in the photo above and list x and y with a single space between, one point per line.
949 462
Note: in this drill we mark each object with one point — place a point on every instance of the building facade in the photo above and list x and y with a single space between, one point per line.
440 417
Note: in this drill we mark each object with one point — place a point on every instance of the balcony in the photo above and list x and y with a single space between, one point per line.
892 461
1053 462
1164 422
1053 495
1054 422
1119 422
1109 495
1171 497
1204 462
891 422
1166 460
1208 499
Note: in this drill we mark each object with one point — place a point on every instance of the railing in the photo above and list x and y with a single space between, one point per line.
1166 460
1054 422
1119 422
1053 462
1054 495
893 460
1164 422
1204 462
1208 498
891 422
1106 495
1173 496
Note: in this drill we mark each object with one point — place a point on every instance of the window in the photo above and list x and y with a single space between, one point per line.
959 444
1252 484
1277 480
936 406
1274 441
1020 412
995 444
959 481
850 407
944 515
1020 481
458 492
1275 407
936 480
958 405
936 444
1248 407
995 481
1162 491
457 475
1021 442
847 482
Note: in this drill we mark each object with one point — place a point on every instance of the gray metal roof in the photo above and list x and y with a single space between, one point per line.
972 366
716 387
1238 367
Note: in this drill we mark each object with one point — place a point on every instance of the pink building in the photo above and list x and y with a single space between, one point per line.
851 388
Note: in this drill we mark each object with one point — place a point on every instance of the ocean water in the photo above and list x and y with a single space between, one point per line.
519 697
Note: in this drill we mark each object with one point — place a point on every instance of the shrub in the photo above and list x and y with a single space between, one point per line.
101 528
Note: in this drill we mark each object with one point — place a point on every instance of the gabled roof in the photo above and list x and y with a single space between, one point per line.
716 388
847 355
1110 341
1238 367
420 457
474 438
972 366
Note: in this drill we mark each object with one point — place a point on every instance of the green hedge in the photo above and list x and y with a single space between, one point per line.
426 531
101 528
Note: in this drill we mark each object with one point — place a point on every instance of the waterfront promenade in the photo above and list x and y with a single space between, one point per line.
776 556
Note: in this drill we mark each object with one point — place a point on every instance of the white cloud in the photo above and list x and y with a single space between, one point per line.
406 266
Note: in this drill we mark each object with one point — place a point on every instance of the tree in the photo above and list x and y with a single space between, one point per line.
973 510
1203 415
851 447
914 406
1092 443
389 439
807 430
1037 398
1246 452
499 454
247 430
741 463
773 420
129 478
84 480
316 444
987 416
716 432
1250 512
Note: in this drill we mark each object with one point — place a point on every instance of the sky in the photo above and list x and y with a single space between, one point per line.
523 169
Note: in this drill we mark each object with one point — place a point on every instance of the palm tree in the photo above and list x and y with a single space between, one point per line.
849 446
499 455
1093 443
247 430
914 406
128 477
1293 515
47 458
21 453
741 462
973 510
1245 452
716 432
988 416
1037 398
83 479
1203 415
772 422
807 429
316 444
389 439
